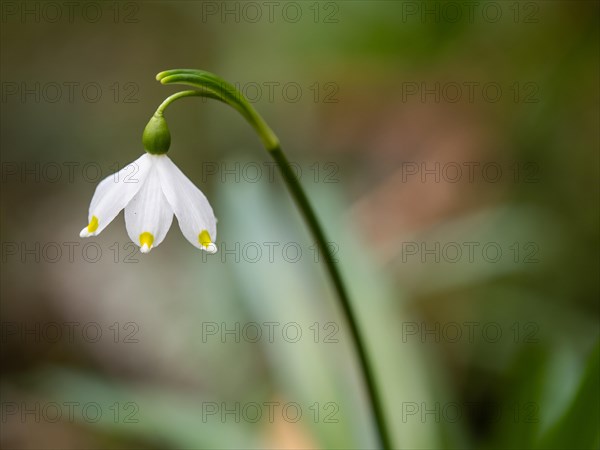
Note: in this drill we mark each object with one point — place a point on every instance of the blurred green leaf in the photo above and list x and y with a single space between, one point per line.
579 426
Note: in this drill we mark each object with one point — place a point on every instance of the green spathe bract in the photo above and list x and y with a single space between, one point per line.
211 86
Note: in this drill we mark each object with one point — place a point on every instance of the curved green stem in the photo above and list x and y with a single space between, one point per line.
215 87
170 99
209 85
293 184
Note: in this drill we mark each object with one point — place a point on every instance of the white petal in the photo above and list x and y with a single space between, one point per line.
194 213
148 216
114 192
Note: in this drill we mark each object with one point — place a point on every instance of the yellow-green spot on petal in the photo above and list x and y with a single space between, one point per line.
146 239
93 226
204 238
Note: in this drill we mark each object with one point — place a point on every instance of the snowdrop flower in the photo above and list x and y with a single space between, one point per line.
150 194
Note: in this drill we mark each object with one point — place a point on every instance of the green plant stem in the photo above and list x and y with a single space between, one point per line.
171 98
212 86
310 217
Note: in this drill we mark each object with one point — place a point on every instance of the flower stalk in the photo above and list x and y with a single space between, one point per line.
212 86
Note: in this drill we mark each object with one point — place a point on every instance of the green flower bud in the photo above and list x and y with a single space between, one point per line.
156 137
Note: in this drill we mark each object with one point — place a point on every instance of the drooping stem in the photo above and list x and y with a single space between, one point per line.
171 98
209 85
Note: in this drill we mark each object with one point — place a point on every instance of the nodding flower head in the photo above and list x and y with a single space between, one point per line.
156 190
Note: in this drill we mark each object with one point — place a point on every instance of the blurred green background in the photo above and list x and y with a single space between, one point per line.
451 152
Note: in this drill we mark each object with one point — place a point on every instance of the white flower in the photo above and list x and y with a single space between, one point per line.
151 189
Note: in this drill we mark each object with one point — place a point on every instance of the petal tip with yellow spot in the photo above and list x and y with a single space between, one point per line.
206 242
146 241
90 230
